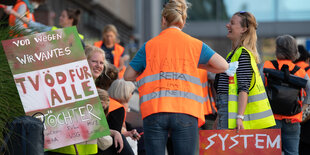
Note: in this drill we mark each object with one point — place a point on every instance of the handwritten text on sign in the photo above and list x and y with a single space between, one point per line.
266 141
53 77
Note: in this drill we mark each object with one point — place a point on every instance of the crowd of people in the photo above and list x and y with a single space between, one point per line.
178 93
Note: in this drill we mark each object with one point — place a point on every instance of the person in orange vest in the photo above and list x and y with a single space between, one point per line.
286 53
25 8
210 110
171 98
120 93
114 52
107 141
69 17
303 60
304 142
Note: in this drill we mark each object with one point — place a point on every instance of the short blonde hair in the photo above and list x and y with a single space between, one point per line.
121 90
90 50
175 12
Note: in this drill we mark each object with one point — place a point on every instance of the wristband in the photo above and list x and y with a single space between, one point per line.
240 116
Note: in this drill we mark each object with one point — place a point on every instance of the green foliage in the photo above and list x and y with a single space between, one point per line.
10 104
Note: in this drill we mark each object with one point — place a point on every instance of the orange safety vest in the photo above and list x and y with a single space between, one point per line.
209 103
170 81
114 105
29 15
300 73
117 53
304 66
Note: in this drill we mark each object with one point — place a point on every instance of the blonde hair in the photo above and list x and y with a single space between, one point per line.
121 90
175 12
110 28
90 50
249 38
104 97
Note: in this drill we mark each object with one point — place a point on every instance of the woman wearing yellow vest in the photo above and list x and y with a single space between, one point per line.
171 98
69 17
241 99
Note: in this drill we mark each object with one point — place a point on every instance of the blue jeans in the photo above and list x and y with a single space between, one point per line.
290 136
222 111
183 131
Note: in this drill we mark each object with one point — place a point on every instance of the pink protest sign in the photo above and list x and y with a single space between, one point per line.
250 142
52 76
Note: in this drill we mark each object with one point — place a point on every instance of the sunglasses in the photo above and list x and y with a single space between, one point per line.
244 13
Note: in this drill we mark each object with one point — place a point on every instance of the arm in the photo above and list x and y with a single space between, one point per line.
242 102
17 15
244 78
136 66
118 140
130 74
211 61
216 64
32 25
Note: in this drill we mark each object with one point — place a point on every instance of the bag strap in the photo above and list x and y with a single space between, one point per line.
275 64
296 68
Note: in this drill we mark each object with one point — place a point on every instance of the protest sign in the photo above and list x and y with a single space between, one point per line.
259 141
52 76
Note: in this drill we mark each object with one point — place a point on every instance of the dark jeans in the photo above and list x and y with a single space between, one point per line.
290 136
183 129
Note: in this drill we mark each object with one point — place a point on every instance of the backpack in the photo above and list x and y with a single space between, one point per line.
24 136
283 89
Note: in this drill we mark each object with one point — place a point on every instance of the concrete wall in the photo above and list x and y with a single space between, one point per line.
123 9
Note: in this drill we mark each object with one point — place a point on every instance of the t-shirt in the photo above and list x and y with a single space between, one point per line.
138 63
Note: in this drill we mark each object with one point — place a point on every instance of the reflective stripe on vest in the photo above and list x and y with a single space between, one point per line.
82 149
300 73
170 82
171 93
169 75
257 114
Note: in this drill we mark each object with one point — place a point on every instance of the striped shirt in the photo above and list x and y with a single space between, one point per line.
244 75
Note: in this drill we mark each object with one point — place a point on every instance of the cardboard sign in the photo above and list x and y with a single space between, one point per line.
53 77
263 141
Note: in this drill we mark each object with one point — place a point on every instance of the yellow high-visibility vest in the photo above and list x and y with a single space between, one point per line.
258 113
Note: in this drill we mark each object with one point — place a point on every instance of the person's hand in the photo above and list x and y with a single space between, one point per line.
133 134
239 124
118 141
232 69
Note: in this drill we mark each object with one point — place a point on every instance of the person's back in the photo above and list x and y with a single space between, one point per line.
286 53
170 91
171 57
